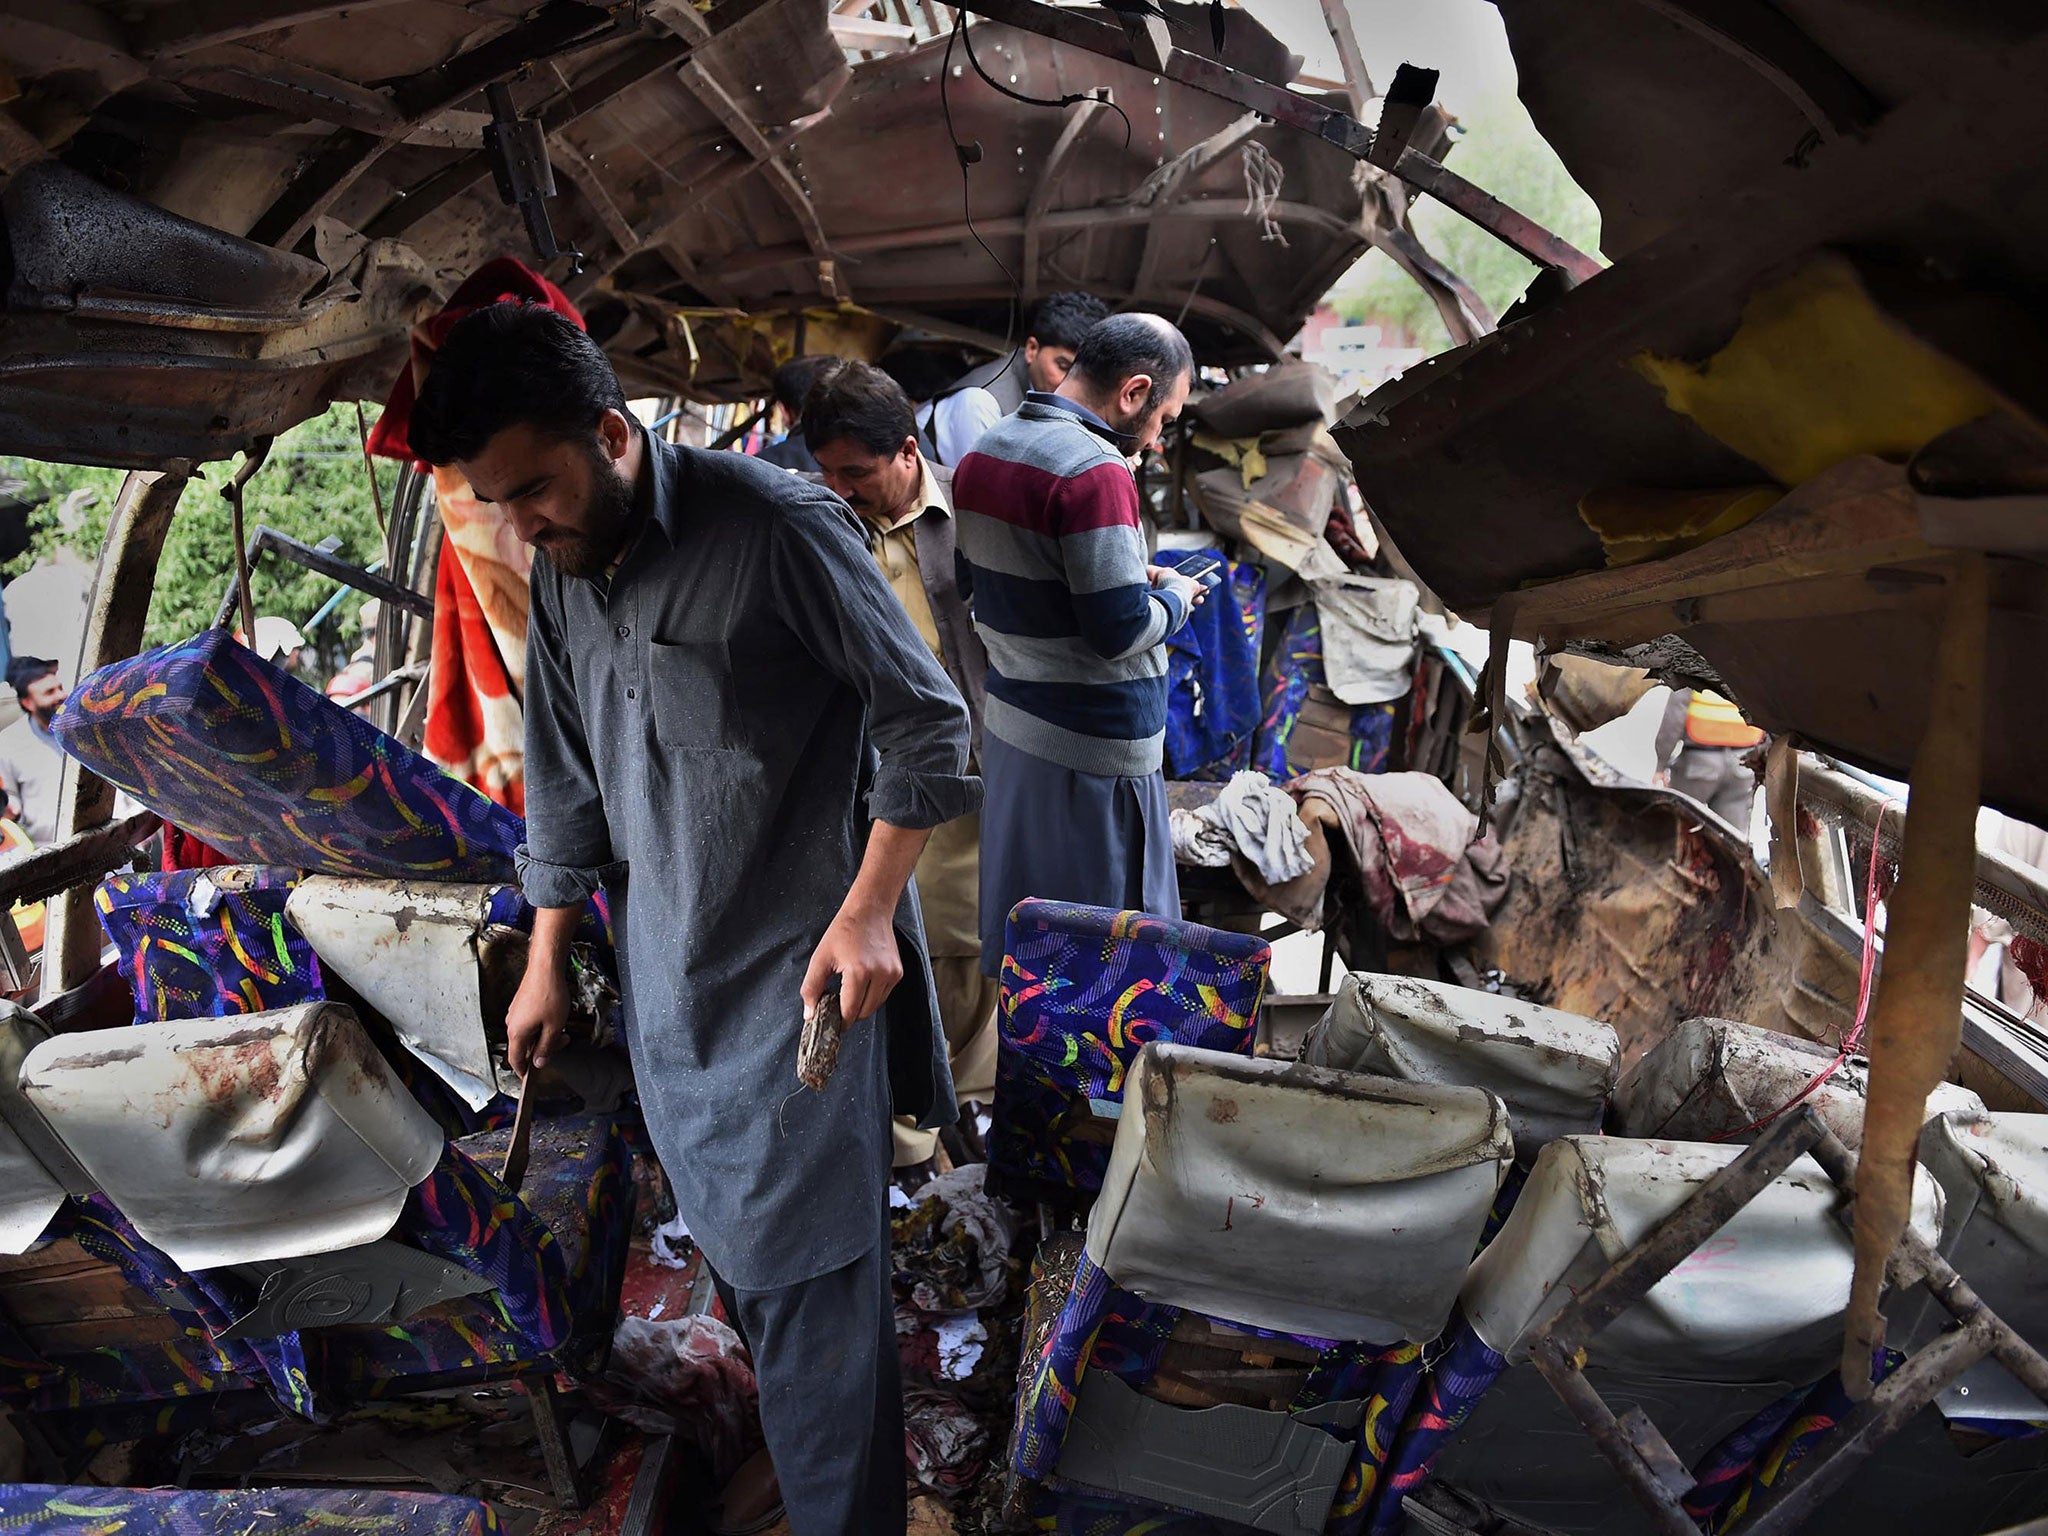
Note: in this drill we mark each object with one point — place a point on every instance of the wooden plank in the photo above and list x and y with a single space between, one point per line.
84 857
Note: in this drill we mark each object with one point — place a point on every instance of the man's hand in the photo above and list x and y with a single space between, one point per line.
539 1015
1165 578
860 949
860 946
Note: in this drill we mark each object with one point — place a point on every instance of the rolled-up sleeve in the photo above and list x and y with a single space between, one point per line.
568 851
829 591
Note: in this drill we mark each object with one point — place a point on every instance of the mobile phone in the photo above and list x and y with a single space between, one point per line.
1206 569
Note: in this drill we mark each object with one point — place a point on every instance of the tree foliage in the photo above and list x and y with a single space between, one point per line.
1502 152
315 485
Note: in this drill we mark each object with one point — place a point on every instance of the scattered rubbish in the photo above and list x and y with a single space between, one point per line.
672 1246
689 1376
960 1341
952 1245
944 1443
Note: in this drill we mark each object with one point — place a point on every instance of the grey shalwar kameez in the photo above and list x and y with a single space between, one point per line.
708 736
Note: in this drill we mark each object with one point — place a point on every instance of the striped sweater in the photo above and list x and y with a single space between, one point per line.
1047 520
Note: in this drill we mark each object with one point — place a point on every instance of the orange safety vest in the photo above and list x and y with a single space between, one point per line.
1711 721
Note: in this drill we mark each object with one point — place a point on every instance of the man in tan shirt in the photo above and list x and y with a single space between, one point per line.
863 431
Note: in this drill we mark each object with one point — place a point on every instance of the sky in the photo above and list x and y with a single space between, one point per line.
1462 39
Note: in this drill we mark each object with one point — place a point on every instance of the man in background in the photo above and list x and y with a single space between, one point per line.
970 405
792 382
1700 746
860 424
1075 622
31 764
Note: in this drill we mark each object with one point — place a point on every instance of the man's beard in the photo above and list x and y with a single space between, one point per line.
43 717
590 552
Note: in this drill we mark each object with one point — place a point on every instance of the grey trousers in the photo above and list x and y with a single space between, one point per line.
1719 780
831 1395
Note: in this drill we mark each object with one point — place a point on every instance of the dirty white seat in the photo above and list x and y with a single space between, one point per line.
1296 1198
1761 1300
1993 1171
416 951
265 1136
1714 1078
34 1168
1554 1070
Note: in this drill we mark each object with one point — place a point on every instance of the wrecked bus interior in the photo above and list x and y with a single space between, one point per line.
1516 1128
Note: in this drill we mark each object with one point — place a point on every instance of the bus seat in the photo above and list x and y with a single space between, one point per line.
1993 1171
1330 1209
207 943
1083 988
223 744
1553 1070
55 1510
262 1137
1717 1080
36 1172
418 951
1752 1315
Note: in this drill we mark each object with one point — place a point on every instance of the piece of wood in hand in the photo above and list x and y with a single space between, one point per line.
818 1051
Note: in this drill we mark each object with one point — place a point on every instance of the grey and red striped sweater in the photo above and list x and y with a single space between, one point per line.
1047 521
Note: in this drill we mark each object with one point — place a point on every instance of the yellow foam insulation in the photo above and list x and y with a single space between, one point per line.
1637 523
1241 453
1817 373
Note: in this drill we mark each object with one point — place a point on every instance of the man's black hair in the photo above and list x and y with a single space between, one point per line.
1128 344
854 400
25 671
510 363
793 380
1063 319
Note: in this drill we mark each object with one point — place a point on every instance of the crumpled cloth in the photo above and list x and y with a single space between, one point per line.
944 1444
1369 629
1251 817
671 1245
689 1376
1425 872
951 1247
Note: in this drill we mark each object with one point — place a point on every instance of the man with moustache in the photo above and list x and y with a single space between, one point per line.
733 727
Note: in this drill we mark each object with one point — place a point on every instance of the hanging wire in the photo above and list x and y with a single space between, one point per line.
970 154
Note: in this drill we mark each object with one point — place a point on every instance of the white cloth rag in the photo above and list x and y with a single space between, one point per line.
1250 817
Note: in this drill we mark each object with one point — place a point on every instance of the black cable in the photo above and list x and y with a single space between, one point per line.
969 155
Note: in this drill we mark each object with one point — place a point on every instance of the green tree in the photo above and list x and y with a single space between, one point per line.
1502 152
314 486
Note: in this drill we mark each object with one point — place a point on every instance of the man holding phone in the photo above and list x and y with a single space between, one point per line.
1075 622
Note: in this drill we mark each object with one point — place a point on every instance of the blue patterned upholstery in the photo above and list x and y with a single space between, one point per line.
555 1252
1083 988
268 771
1212 678
53 1510
192 949
1457 1378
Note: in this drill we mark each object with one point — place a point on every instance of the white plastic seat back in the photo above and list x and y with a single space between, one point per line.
1760 1300
31 1189
410 948
225 1141
1993 1172
1296 1198
1553 1070
1714 1078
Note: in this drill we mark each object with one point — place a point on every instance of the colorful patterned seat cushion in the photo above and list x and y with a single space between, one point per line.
1083 988
269 771
53 1510
1458 1375
1296 666
555 1252
207 943
1212 678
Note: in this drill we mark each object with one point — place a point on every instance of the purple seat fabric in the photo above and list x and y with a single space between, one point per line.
555 1252
208 943
54 1510
269 771
1457 1377
1083 988
1098 1326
